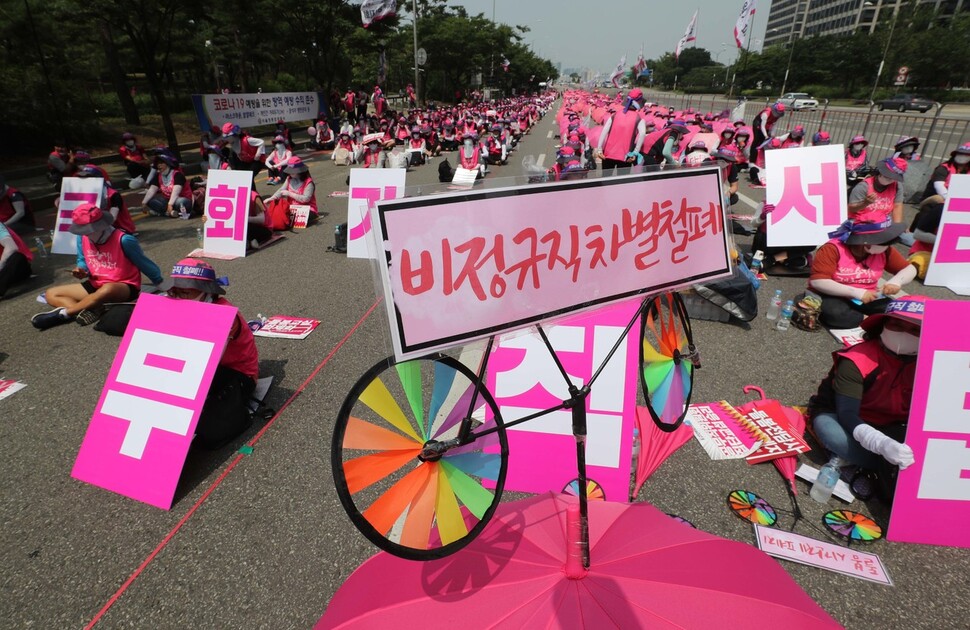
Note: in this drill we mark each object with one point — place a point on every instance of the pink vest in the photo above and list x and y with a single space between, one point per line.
888 382
853 273
313 199
166 188
621 138
240 353
108 263
247 152
852 162
880 209
469 162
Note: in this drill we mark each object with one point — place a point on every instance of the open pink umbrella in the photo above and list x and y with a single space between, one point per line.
655 446
647 571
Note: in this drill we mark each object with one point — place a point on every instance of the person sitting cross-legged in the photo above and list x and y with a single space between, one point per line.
109 261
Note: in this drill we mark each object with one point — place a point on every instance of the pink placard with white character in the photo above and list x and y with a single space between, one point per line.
227 212
524 379
807 187
950 262
368 186
937 486
145 419
74 192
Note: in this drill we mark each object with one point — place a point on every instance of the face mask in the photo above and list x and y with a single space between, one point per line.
901 343
468 144
876 249
883 181
372 147
280 146
961 159
130 143
857 147
908 150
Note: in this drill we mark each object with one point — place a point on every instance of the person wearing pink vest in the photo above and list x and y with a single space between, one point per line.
109 261
856 158
471 155
880 196
15 259
623 134
246 153
846 271
861 409
225 414
298 189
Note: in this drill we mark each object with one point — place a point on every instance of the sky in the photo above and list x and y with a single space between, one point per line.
596 34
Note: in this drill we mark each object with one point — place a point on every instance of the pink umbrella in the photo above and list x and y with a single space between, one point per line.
655 446
648 571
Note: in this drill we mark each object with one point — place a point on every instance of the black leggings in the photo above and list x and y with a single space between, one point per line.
225 414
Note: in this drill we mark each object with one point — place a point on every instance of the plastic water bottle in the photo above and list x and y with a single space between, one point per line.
757 261
774 307
41 248
784 322
824 484
198 236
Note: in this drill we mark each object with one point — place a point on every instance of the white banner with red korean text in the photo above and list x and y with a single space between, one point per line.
465 265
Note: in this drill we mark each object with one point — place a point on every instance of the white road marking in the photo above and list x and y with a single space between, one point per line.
549 135
541 159
749 201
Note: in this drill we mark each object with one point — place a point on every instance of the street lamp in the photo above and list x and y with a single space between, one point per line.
791 53
885 51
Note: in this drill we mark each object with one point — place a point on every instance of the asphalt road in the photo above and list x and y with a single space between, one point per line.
260 540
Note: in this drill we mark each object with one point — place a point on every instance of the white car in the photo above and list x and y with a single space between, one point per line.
798 100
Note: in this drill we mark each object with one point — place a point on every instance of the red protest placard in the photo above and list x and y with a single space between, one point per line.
285 327
779 438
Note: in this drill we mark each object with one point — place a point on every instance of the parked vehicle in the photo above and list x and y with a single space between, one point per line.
906 102
798 100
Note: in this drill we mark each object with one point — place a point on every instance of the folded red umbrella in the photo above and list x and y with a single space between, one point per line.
656 445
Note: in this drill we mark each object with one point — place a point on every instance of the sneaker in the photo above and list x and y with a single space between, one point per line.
89 316
56 317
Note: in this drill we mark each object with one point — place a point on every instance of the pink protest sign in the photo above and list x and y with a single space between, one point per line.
145 420
950 262
227 212
463 266
74 192
367 186
817 553
524 379
938 484
807 187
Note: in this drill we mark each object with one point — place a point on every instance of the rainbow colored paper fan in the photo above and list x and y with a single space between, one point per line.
752 508
668 359
405 497
852 525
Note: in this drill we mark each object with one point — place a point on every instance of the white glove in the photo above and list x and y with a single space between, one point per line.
879 443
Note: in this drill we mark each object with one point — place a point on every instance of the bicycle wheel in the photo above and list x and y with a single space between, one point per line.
404 498
668 359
